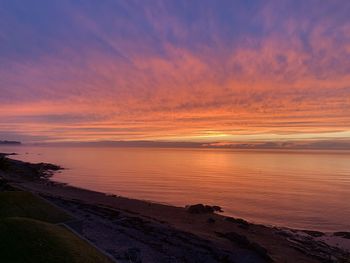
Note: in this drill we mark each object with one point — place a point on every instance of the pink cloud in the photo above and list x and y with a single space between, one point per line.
268 85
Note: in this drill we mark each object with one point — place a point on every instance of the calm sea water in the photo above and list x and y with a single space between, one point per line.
307 190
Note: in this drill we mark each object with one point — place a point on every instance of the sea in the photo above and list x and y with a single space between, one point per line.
303 189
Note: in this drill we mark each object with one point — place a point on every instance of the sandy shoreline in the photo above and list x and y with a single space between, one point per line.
152 232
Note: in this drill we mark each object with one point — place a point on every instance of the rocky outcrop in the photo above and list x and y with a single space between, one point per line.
203 209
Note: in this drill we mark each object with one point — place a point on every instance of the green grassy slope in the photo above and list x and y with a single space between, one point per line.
24 204
30 241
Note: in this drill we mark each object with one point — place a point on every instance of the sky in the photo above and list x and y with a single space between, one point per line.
174 70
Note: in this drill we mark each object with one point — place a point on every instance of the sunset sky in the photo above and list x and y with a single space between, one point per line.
172 70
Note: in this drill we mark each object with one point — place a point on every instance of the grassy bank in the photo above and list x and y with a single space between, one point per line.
24 240
29 232
24 204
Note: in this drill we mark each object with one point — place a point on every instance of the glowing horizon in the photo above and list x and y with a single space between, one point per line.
174 70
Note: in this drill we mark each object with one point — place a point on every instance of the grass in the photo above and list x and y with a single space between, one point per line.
29 232
31 241
25 204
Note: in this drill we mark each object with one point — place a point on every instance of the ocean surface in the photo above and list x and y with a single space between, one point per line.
300 189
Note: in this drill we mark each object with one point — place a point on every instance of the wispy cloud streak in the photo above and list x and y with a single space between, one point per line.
130 70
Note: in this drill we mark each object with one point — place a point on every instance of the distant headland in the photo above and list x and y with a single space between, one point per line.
10 142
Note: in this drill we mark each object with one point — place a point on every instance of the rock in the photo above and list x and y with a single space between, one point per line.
43 170
313 233
241 222
201 209
210 220
261 251
244 242
284 233
131 255
240 240
217 208
342 234
4 163
318 249
4 186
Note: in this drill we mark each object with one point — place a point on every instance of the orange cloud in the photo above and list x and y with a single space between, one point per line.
278 84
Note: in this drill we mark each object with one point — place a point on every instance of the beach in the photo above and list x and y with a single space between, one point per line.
132 230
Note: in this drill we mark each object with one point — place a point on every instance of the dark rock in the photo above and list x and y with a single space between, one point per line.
4 186
342 234
43 170
217 208
4 163
244 242
260 250
240 240
313 233
130 255
210 220
241 222
244 226
318 249
200 209
25 170
283 233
